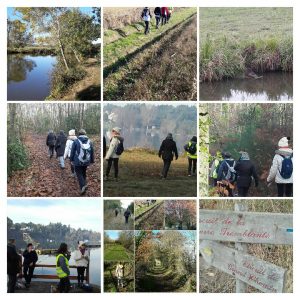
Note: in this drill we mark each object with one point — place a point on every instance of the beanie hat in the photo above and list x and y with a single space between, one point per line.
72 132
169 136
283 142
82 132
117 129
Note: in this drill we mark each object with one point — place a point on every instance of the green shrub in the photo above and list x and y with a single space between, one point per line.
17 157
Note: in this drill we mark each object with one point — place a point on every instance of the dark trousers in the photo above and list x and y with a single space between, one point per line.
80 274
51 151
114 161
192 165
285 189
147 27
163 20
81 175
243 191
12 280
166 167
126 220
64 285
157 18
72 167
28 273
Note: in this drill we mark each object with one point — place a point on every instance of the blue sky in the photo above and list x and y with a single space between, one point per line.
113 234
78 213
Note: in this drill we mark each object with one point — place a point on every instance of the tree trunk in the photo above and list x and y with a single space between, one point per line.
76 56
61 47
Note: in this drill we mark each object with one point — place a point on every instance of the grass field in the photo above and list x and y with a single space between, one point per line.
140 177
154 66
234 39
111 222
117 252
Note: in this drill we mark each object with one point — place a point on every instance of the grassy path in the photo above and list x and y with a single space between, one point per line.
111 222
117 253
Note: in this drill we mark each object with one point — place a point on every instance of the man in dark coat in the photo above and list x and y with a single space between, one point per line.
50 142
13 265
245 170
167 151
60 146
30 259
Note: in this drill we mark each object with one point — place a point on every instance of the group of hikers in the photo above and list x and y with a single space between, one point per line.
126 214
15 267
167 152
77 149
162 16
228 174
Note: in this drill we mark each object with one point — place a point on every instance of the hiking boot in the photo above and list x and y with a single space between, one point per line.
83 190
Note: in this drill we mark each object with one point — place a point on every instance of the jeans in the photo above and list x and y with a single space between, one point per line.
166 167
72 168
147 27
81 175
28 273
12 280
114 161
192 164
243 191
157 18
51 151
285 189
80 274
64 285
163 20
61 162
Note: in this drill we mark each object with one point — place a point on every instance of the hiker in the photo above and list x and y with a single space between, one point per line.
115 149
120 275
71 138
226 176
14 263
146 16
50 142
60 145
116 212
170 11
82 259
62 268
82 155
167 151
164 15
104 146
191 151
157 13
127 214
30 259
245 171
215 167
282 169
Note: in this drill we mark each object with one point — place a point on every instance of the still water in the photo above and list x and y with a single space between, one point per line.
29 76
277 86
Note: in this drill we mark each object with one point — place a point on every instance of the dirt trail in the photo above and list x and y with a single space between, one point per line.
45 178
112 222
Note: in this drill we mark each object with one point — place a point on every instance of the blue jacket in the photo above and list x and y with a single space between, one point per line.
76 150
224 168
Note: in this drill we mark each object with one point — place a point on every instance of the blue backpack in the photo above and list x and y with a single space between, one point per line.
286 167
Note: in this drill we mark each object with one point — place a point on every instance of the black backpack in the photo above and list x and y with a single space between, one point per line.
120 148
192 148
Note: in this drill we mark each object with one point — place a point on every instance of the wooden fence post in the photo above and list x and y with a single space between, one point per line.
241 287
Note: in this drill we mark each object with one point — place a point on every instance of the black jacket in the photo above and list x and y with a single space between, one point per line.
245 170
168 149
76 150
51 139
157 11
60 144
104 146
30 257
13 260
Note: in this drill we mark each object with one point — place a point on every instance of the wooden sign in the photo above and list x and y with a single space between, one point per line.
260 274
246 227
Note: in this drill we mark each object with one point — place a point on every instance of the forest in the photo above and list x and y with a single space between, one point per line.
60 46
253 128
165 261
30 171
48 236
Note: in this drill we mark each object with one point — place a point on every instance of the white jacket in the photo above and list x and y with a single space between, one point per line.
68 147
276 166
111 152
82 261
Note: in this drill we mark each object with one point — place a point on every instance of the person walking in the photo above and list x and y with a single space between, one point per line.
62 268
157 13
50 142
115 149
167 151
14 263
146 16
82 259
71 138
164 15
82 155
245 171
219 156
281 170
30 259
60 146
120 275
127 214
191 151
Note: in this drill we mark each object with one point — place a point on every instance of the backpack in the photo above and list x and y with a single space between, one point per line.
192 148
286 167
231 173
120 148
84 156
145 12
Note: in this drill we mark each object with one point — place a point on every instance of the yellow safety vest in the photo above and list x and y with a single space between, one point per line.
192 156
59 271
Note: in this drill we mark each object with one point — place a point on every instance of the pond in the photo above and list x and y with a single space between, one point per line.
276 86
95 265
29 76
